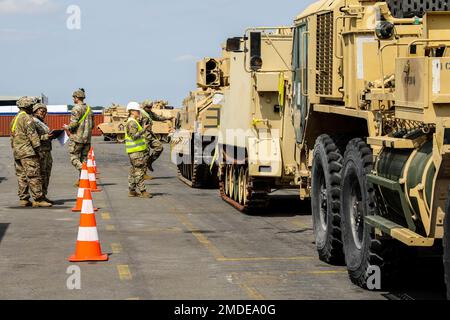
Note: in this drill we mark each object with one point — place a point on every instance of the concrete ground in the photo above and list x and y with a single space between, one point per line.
182 244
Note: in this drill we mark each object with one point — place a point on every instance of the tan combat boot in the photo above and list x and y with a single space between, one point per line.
133 194
42 204
147 177
25 203
76 184
146 195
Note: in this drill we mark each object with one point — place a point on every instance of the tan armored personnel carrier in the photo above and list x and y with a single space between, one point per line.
163 129
255 150
113 127
115 118
370 98
194 143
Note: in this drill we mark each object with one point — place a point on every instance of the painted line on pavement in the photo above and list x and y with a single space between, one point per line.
116 248
106 216
124 272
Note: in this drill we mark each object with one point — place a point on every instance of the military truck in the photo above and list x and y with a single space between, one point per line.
255 148
115 118
370 99
194 142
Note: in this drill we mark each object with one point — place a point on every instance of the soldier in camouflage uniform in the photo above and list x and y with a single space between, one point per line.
147 117
80 128
137 150
39 113
26 147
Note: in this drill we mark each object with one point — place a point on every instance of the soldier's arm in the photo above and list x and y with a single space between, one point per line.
93 121
75 117
133 131
32 134
156 117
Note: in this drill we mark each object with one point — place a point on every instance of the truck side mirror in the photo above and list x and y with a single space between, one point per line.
233 44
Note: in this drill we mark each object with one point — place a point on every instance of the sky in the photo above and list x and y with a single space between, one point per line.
121 50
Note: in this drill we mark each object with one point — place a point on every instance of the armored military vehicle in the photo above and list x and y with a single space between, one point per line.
113 127
194 143
115 118
164 129
255 149
370 98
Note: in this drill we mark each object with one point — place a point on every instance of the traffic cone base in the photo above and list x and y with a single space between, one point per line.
88 251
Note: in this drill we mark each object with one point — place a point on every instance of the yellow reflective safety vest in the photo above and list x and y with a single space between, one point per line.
88 110
15 120
131 145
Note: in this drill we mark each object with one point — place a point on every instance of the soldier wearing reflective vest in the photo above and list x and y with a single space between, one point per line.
80 128
137 150
26 147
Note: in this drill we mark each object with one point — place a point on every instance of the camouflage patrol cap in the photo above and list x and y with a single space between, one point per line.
80 93
26 102
147 104
38 106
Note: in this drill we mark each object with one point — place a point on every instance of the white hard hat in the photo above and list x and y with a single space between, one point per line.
133 106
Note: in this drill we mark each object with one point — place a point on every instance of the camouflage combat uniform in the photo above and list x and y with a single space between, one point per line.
138 159
147 117
26 146
81 134
46 160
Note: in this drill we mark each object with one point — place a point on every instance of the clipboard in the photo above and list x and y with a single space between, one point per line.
56 133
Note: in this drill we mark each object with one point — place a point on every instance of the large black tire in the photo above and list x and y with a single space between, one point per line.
446 243
358 199
325 199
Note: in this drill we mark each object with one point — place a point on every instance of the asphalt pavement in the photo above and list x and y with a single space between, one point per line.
182 244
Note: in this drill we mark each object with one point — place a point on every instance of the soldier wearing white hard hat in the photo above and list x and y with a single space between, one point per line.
137 150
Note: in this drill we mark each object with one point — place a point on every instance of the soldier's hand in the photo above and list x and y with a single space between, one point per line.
146 126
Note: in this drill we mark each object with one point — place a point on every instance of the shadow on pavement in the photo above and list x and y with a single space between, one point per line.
163 178
421 278
3 228
3 179
286 206
106 184
64 201
159 194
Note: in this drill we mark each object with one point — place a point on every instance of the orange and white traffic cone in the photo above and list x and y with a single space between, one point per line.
94 164
92 178
84 184
88 244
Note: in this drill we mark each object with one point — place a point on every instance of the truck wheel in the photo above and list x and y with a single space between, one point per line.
325 199
446 243
364 252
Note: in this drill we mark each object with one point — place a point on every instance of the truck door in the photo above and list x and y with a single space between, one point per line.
300 81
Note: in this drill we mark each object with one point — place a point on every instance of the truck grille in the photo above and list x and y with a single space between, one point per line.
324 77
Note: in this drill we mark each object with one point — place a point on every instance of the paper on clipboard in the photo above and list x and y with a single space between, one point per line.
63 138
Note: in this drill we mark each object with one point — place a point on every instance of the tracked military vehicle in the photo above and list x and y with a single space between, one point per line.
255 149
370 99
195 140
164 129
115 118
